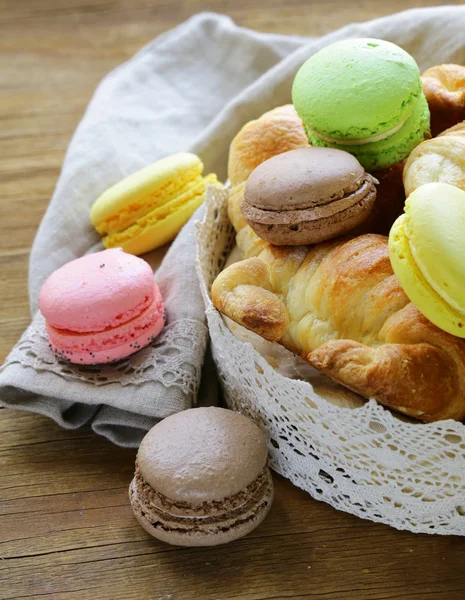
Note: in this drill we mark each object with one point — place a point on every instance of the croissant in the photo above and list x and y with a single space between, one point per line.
276 131
440 159
444 88
340 307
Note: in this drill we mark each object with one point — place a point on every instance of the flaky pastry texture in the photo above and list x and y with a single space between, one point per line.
339 306
440 159
276 131
444 88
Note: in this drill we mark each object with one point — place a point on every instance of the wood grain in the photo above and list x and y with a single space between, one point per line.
66 528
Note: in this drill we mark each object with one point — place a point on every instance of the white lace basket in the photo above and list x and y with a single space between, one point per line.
365 460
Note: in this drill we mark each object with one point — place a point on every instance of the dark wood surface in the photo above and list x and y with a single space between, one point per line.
66 528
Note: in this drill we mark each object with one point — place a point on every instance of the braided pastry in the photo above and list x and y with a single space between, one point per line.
339 306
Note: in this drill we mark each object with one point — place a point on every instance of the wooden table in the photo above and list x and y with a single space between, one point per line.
66 529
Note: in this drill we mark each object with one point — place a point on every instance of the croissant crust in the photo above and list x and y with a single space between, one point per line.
339 306
276 131
440 159
444 88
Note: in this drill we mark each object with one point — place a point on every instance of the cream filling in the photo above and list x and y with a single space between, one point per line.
452 302
359 141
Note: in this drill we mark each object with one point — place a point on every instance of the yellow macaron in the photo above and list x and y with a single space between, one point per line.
147 209
427 252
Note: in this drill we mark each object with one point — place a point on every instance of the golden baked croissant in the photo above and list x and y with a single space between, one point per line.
444 88
276 131
440 159
339 306
234 206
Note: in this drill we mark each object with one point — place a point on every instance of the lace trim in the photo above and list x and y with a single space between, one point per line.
365 460
168 360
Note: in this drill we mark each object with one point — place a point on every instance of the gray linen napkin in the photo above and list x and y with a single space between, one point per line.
190 89
159 102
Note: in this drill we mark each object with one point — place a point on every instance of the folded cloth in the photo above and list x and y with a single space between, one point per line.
189 90
158 103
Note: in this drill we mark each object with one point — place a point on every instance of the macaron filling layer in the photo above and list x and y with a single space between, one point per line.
419 291
359 141
428 279
390 150
204 509
208 517
105 323
188 197
139 207
97 291
113 342
143 191
324 209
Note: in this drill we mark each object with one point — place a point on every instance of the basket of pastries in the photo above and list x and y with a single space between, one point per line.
333 271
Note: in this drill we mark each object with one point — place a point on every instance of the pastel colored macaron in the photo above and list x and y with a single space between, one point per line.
364 96
307 195
202 478
101 307
427 252
147 209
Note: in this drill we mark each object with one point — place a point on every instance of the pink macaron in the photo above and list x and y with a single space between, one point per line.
101 307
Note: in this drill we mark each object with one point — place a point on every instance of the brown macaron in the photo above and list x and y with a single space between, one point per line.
308 195
202 478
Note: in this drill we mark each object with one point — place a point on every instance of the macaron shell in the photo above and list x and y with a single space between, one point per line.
314 231
161 225
303 178
113 343
418 290
394 148
435 227
97 291
221 531
121 205
202 455
356 88
306 196
290 216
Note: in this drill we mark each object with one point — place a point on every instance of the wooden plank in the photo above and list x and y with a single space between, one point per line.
320 552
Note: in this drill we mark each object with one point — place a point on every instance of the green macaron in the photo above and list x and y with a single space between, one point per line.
363 96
